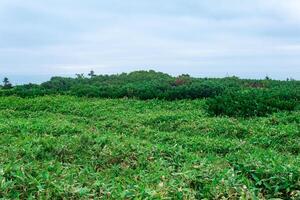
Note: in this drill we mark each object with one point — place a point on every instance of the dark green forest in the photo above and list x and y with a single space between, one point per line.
229 96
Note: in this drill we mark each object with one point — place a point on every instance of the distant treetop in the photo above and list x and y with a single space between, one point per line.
6 83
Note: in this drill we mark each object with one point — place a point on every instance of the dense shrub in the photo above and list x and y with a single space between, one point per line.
145 85
140 84
58 84
194 90
254 102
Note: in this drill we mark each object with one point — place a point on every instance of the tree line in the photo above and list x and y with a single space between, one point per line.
230 96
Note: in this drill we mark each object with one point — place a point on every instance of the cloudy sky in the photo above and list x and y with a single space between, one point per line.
214 38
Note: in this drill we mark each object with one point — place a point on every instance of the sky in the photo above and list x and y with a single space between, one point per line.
204 38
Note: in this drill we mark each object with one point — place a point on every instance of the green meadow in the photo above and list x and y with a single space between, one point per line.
63 147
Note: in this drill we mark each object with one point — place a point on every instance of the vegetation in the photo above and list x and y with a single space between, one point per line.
6 84
150 136
229 96
255 102
63 147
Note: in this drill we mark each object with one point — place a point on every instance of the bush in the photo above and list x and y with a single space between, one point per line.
146 85
253 102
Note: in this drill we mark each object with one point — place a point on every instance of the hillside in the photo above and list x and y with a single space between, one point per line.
70 147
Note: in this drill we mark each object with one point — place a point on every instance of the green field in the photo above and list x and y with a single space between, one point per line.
78 148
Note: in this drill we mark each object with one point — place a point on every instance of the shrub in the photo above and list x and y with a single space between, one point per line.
253 102
146 85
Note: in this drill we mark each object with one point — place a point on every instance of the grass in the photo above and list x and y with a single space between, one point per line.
77 148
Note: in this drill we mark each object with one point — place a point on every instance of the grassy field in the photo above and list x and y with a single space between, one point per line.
66 147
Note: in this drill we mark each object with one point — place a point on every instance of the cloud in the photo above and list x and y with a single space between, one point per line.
240 37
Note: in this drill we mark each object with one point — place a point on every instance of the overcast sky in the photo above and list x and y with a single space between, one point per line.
247 38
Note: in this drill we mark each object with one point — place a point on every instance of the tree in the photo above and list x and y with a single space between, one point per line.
92 74
6 83
80 76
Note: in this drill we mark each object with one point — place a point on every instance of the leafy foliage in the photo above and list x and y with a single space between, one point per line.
63 147
142 85
255 102
229 96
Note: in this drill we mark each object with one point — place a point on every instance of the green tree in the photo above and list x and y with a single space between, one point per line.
80 76
92 74
6 83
